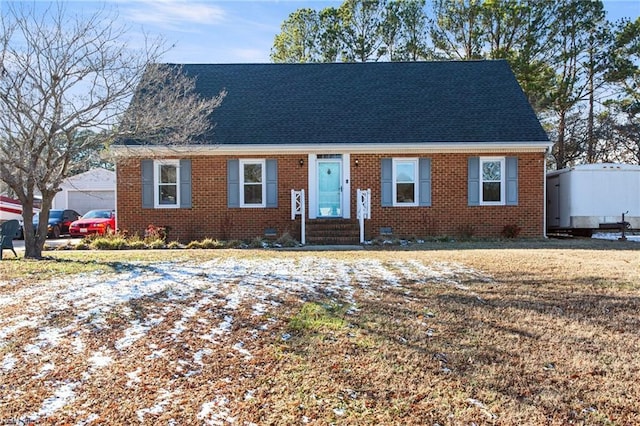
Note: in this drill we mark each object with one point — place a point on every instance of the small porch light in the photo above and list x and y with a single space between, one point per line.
301 162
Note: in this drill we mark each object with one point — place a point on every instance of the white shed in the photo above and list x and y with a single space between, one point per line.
95 189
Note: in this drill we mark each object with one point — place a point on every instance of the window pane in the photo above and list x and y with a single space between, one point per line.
491 170
253 194
253 173
491 191
168 174
405 172
168 194
405 193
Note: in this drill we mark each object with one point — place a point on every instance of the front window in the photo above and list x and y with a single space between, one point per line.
492 181
405 186
252 177
167 184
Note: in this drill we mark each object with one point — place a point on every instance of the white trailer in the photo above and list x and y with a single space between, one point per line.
11 208
589 197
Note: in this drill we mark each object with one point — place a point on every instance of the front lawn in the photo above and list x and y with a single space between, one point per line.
485 335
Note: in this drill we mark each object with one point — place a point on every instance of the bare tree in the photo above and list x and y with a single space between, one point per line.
62 74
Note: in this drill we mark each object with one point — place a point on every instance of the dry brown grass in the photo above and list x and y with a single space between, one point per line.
528 334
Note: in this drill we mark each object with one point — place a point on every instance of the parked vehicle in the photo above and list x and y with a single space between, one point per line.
591 197
11 208
94 222
59 222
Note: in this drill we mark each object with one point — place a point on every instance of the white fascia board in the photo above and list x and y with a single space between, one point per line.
337 148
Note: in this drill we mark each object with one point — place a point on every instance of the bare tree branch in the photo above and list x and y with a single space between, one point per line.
62 75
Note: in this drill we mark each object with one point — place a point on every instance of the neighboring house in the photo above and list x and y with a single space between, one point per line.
94 189
447 148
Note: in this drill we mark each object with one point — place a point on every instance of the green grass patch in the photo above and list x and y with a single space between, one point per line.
318 317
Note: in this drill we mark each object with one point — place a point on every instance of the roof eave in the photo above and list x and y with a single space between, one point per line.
275 149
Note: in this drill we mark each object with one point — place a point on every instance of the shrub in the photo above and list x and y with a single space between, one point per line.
258 242
511 231
137 244
235 244
286 240
154 232
174 245
156 244
194 245
113 242
210 243
466 232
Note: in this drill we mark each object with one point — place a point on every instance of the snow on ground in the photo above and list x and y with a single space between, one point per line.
615 236
187 288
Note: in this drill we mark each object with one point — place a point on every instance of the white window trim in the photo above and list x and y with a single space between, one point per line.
156 183
416 182
263 164
503 171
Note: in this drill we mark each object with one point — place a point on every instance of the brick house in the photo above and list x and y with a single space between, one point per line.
445 148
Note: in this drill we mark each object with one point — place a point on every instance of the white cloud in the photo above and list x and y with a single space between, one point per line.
176 14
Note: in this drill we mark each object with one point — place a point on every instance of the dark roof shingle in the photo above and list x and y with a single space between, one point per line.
407 102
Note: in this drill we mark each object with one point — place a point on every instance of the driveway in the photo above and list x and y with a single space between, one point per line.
54 242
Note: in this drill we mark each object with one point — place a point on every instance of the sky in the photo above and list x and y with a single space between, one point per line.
232 31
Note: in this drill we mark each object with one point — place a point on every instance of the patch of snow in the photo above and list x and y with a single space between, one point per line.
614 236
155 354
45 369
240 348
61 397
164 399
92 418
134 377
215 412
9 362
98 360
223 328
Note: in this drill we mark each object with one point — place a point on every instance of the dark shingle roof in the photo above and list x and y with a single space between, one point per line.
409 102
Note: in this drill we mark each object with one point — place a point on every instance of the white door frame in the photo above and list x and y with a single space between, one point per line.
312 161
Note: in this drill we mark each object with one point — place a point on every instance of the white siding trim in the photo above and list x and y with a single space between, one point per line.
346 186
312 188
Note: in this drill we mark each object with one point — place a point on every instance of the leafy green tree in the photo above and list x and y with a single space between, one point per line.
299 39
405 31
361 33
457 29
575 22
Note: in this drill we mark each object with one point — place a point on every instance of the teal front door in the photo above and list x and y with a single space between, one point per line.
330 188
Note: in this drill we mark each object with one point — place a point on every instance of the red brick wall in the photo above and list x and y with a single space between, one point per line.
449 214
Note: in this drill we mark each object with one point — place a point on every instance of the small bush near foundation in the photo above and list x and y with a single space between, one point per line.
466 232
154 232
511 231
110 242
286 240
235 244
258 242
194 245
137 244
156 244
210 243
174 245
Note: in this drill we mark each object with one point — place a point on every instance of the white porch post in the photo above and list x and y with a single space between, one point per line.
298 208
363 209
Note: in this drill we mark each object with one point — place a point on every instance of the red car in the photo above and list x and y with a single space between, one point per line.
94 222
